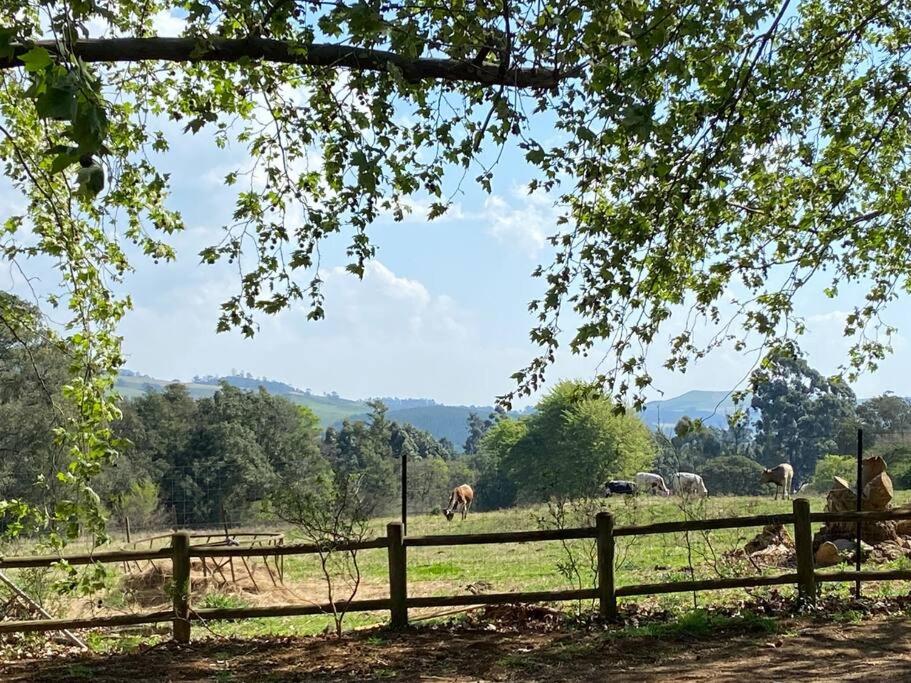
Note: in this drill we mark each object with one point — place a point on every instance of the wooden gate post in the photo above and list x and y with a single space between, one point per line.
803 543
607 597
398 591
180 558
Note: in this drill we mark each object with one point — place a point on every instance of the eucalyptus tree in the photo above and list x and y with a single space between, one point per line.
698 152
800 411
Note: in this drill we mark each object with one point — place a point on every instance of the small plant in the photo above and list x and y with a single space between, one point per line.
222 601
700 624
579 562
329 511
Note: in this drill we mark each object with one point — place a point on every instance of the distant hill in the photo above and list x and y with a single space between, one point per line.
329 409
712 407
424 413
441 421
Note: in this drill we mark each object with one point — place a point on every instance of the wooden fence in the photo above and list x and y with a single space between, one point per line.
396 543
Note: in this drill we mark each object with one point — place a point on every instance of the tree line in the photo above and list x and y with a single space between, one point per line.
186 461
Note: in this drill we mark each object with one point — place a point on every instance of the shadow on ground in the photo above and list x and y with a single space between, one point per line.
877 649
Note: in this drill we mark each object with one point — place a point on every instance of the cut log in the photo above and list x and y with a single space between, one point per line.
878 493
903 526
872 467
841 485
841 498
771 535
827 555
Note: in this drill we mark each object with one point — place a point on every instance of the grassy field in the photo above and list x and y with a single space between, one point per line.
502 567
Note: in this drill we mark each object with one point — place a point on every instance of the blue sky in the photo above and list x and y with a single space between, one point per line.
441 313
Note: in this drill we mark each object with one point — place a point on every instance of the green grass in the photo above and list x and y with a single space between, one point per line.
514 567
220 600
699 624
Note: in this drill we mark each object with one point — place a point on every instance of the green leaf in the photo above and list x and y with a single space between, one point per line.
56 103
35 60
62 161
89 126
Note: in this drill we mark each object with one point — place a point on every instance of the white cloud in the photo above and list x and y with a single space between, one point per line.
385 334
166 24
385 309
827 318
525 222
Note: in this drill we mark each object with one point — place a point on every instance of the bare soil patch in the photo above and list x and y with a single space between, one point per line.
875 649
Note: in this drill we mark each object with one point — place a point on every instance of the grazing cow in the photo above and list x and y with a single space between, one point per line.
459 501
781 476
653 483
626 488
688 483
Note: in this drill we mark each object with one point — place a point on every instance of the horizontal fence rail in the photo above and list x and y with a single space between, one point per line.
707 584
500 537
866 516
101 557
503 598
290 549
703 525
181 551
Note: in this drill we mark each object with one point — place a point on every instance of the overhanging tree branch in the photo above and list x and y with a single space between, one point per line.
215 49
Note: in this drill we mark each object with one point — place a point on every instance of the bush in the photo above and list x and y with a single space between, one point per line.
573 442
898 461
733 475
140 504
829 467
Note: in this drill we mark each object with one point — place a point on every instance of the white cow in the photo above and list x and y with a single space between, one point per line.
688 483
653 483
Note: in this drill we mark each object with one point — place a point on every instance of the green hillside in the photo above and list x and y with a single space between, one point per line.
328 409
439 420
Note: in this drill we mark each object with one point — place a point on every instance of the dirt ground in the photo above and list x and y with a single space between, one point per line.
875 649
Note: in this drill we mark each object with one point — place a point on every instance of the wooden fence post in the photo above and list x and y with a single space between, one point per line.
180 558
398 591
607 597
803 542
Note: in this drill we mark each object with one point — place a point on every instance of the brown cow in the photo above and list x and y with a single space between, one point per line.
781 476
459 501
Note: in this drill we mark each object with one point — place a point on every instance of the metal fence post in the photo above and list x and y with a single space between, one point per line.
607 597
180 558
803 542
398 591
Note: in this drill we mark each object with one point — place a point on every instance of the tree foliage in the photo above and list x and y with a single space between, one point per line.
692 444
477 428
214 459
887 415
830 466
698 152
800 411
496 488
573 442
732 475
